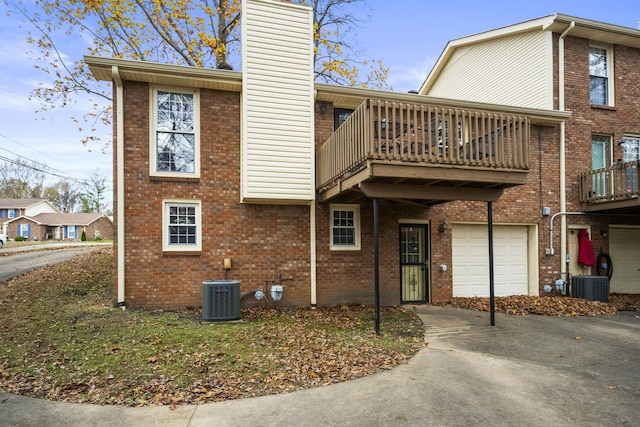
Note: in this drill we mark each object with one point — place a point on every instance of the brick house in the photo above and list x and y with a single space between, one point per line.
341 190
13 208
61 226
589 175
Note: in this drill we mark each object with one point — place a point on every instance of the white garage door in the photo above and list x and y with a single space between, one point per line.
624 249
471 260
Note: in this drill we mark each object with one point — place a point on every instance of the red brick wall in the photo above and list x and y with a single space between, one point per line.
263 241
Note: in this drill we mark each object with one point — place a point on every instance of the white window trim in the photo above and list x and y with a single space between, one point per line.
75 232
356 210
166 203
610 73
153 104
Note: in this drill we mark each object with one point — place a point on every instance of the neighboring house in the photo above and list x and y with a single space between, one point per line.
14 208
61 226
341 190
590 170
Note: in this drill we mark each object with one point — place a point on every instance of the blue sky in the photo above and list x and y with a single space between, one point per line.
408 35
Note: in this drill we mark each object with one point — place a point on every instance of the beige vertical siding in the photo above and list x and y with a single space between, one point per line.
514 70
277 103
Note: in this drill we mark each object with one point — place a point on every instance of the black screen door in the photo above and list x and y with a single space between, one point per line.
414 263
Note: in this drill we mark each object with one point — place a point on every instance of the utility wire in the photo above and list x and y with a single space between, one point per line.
23 164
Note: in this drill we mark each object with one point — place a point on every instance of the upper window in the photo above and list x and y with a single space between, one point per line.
175 137
340 115
600 63
630 148
181 225
345 227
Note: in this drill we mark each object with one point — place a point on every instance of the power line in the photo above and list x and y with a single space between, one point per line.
26 146
23 164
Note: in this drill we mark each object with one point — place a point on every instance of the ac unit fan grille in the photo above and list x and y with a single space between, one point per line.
221 300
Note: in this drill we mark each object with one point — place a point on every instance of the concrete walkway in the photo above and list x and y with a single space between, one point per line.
525 371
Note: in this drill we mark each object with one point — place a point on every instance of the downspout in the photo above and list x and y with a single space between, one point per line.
312 255
120 181
563 184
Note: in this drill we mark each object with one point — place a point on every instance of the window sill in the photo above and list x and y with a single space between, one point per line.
181 253
603 107
173 178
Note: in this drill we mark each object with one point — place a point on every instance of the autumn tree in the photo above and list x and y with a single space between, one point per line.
63 195
188 32
200 33
20 179
336 58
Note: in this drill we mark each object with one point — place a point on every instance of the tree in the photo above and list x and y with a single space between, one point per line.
92 199
63 195
335 57
21 180
198 33
188 32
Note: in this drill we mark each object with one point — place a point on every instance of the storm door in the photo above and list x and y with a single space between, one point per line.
414 263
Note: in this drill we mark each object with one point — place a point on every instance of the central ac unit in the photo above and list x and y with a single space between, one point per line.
220 300
592 288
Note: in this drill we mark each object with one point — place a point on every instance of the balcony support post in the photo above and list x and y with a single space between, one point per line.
376 256
492 302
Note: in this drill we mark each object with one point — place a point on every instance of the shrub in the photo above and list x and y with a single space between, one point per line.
19 239
84 236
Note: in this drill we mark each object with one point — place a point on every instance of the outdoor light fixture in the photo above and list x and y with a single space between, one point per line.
443 226
227 263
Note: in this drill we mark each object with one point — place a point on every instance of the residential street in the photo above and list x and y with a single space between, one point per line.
26 258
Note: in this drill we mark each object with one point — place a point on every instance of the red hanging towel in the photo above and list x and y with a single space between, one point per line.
585 250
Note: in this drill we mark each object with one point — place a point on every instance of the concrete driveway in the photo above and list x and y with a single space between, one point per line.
525 371
26 258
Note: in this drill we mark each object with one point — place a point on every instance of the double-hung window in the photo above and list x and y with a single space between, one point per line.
175 134
181 225
345 227
600 76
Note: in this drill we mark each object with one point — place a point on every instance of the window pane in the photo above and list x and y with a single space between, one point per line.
631 149
598 62
599 72
175 152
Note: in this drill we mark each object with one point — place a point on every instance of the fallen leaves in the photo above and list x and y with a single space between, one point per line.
66 343
547 305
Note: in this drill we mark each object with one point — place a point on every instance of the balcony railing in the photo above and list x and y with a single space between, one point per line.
614 183
425 136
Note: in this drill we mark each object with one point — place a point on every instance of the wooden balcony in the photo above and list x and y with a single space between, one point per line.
423 154
613 189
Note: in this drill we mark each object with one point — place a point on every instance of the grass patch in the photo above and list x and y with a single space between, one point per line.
62 340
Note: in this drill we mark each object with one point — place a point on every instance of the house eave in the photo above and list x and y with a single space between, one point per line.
164 74
592 30
352 97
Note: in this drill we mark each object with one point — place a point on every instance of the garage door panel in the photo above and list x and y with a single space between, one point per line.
471 260
624 249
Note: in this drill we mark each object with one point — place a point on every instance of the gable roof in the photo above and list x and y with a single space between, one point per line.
557 23
21 203
61 219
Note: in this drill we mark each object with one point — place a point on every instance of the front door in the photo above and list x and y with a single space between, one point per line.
414 263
